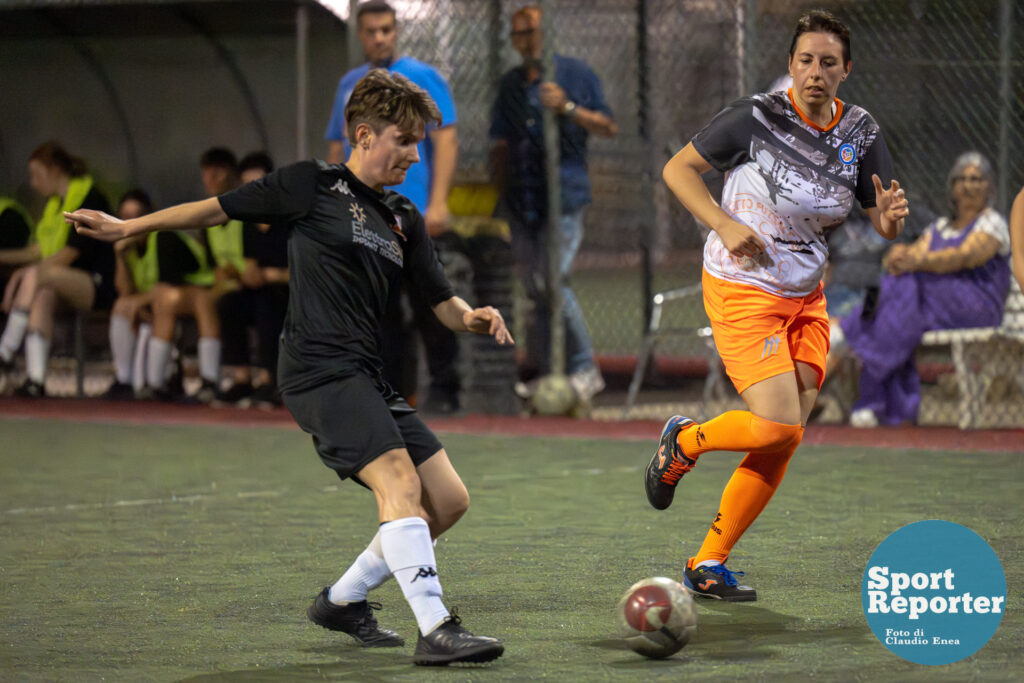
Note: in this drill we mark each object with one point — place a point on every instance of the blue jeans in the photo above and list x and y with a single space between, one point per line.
530 250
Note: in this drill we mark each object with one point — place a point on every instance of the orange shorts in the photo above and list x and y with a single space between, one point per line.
761 335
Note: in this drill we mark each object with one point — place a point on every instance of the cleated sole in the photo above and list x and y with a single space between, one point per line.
708 596
473 655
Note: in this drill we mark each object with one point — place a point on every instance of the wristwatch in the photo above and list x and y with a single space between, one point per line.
569 108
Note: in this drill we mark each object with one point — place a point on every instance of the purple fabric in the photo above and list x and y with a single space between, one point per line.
908 306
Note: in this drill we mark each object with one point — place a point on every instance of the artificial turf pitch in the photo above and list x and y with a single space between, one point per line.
170 553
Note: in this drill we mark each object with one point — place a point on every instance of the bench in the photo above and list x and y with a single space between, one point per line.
980 354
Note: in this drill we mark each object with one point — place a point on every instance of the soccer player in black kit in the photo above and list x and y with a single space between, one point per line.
349 242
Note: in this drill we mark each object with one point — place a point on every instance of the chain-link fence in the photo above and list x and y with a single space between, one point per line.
940 76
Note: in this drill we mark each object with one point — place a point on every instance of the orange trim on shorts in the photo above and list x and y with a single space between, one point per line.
760 335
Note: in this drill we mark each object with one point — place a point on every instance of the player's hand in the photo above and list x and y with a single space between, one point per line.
437 218
741 240
97 224
487 320
891 203
552 96
252 277
900 259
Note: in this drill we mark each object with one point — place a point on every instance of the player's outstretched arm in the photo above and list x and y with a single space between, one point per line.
102 226
457 315
890 209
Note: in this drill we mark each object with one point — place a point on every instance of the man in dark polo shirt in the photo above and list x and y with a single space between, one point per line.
349 243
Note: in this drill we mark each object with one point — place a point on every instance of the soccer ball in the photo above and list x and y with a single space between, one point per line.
554 396
657 617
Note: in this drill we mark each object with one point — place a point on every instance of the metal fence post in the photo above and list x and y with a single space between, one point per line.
1005 102
552 154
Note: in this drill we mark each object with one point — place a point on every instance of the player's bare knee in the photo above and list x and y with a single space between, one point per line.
30 279
458 505
166 298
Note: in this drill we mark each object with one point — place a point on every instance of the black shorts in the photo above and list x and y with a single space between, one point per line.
104 292
352 424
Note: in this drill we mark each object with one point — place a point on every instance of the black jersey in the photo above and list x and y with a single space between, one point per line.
95 256
15 233
347 247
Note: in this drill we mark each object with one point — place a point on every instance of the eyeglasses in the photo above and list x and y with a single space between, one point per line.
969 179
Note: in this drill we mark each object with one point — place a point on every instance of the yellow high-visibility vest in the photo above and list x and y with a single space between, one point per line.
52 230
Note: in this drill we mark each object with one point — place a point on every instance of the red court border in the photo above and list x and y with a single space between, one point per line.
144 412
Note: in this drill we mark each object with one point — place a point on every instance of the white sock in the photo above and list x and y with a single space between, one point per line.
366 573
14 333
157 357
209 358
409 554
139 361
122 347
37 353
707 563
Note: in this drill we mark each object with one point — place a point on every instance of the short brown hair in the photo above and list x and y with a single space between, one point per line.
820 21
381 98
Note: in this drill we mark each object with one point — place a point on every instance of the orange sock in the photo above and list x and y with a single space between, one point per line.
745 496
737 430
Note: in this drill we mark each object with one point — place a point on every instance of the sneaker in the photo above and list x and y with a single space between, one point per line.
864 418
526 390
207 392
119 391
238 393
31 389
266 396
450 642
668 465
355 619
587 383
716 581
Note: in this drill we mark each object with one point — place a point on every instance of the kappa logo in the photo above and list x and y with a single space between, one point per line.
718 517
771 346
424 573
341 187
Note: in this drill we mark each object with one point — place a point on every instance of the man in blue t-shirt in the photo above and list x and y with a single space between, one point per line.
517 160
427 185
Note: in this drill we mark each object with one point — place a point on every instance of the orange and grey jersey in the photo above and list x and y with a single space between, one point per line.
792 182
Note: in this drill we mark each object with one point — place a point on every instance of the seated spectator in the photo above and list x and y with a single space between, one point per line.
955 275
198 298
143 265
15 235
65 269
261 303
